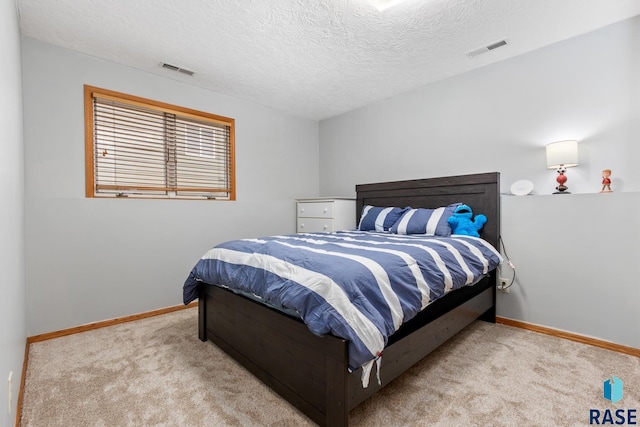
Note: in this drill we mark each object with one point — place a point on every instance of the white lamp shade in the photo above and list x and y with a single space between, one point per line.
562 153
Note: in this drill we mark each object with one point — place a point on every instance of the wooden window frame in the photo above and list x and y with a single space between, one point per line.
91 92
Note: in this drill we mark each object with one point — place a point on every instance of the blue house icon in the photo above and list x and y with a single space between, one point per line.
613 389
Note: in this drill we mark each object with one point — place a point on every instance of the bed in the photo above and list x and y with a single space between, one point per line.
313 372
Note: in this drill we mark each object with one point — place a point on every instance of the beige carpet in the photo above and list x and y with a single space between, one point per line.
155 372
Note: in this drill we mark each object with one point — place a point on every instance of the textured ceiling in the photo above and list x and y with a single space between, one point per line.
313 58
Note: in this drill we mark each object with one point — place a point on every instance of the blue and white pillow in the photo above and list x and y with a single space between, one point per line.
432 222
375 218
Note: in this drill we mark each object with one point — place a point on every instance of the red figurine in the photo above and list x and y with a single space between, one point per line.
606 181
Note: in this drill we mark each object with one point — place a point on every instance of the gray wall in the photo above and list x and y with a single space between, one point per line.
577 274
568 253
13 332
94 259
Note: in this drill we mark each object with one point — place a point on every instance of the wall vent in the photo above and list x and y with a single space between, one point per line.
487 48
176 68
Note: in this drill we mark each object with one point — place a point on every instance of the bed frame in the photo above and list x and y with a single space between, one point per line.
310 371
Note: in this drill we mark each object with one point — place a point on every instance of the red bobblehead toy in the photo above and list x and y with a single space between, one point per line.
606 181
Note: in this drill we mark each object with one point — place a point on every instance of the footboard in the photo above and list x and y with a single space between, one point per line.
307 370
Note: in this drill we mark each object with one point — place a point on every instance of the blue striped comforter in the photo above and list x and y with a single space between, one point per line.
360 286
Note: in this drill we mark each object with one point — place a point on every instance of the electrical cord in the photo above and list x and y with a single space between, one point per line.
509 263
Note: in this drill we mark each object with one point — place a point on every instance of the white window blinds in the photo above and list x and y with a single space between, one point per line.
145 149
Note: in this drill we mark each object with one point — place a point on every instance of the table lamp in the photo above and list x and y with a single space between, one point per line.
560 156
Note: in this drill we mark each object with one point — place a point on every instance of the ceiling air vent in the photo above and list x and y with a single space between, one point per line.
176 68
487 48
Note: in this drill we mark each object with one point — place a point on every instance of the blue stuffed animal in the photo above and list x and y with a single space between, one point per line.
462 221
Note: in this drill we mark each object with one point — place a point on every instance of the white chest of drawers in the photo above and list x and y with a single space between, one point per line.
325 214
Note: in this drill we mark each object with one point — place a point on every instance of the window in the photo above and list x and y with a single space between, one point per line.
136 147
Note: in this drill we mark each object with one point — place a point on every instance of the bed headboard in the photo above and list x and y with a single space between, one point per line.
480 191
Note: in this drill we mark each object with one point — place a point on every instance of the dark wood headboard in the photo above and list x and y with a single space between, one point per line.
480 191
